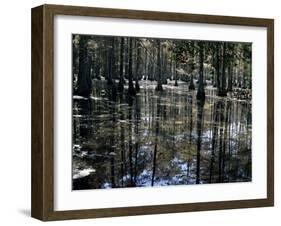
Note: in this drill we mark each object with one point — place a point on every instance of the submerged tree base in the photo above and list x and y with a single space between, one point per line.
191 86
120 86
222 93
112 92
83 93
131 89
159 87
200 96
137 87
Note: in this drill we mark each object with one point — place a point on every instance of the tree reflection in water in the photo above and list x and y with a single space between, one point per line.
159 138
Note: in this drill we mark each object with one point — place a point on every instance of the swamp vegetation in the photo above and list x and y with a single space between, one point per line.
157 112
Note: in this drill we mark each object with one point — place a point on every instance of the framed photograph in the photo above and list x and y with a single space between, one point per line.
141 112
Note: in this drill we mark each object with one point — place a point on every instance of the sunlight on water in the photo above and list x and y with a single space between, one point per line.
159 138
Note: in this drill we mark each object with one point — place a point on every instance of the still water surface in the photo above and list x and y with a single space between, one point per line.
159 138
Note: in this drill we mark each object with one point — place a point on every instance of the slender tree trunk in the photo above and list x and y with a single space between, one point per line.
250 80
176 74
213 70
230 74
75 58
201 90
110 62
84 82
164 65
145 65
121 75
97 64
126 59
105 58
151 75
191 84
131 90
159 72
218 67
244 75
111 70
222 90
170 75
137 45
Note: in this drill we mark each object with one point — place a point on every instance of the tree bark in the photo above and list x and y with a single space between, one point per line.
218 67
84 82
159 72
230 74
121 72
137 75
126 49
191 84
131 90
201 90
176 74
111 61
223 91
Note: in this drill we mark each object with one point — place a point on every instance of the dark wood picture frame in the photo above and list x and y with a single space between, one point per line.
43 120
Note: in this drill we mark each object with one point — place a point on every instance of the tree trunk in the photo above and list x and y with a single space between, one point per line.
105 59
75 57
250 80
230 74
111 70
164 64
131 90
121 73
218 67
127 59
192 65
176 74
137 75
97 64
84 82
222 90
159 75
145 65
191 84
110 62
201 91
151 75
